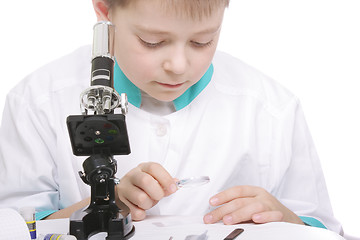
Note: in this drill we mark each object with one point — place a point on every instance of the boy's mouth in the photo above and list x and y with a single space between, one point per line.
170 85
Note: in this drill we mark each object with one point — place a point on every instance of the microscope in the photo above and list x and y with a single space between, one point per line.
100 133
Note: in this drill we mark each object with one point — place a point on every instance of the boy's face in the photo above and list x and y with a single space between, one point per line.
161 51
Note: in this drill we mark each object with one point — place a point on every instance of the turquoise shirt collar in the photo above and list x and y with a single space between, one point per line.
123 85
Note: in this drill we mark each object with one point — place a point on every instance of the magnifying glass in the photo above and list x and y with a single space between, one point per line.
192 182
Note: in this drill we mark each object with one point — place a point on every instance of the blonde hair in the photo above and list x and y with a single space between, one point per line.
192 8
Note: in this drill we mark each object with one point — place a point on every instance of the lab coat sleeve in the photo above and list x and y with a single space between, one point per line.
27 168
302 187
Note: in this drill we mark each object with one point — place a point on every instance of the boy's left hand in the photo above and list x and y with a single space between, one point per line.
248 203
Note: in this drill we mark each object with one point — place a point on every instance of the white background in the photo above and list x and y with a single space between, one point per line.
310 46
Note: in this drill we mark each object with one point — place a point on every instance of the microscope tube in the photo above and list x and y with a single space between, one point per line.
57 237
28 213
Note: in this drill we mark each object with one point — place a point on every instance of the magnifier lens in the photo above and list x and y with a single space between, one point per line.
192 182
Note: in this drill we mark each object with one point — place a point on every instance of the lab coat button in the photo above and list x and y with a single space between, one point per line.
161 131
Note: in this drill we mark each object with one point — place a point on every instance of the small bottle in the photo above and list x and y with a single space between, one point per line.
52 236
28 213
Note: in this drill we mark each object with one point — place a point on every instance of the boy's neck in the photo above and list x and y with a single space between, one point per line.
156 107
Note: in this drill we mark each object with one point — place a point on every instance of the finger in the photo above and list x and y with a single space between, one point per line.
149 185
226 209
244 214
126 195
137 214
136 196
268 216
160 174
235 192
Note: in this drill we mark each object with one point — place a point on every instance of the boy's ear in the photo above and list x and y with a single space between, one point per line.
101 10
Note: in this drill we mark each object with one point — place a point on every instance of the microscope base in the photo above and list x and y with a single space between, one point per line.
85 223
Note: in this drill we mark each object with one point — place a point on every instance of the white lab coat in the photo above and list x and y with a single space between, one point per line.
242 129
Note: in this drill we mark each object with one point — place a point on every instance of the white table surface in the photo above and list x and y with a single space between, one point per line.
163 227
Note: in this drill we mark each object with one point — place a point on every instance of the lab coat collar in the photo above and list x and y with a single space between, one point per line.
123 85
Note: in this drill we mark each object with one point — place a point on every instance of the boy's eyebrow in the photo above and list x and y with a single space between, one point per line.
160 32
209 30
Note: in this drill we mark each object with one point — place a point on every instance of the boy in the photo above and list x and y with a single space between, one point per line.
192 112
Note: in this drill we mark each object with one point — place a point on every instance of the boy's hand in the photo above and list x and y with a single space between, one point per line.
143 187
248 203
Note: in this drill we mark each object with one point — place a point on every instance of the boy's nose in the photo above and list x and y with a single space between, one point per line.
177 61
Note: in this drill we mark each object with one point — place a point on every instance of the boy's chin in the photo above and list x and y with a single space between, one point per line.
166 97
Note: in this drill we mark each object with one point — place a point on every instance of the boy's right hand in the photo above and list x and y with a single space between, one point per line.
143 187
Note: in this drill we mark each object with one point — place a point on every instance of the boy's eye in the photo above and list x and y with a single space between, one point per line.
150 44
200 44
